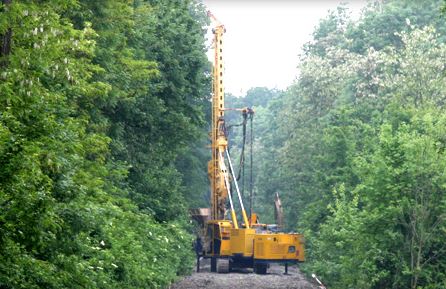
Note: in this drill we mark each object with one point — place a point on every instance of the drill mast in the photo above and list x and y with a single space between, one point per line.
227 244
219 191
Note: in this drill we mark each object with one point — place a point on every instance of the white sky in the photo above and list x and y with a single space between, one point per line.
264 38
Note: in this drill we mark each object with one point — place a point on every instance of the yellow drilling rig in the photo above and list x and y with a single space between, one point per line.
226 241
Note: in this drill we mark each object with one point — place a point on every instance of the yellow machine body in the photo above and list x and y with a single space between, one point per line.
279 247
219 238
228 241
242 241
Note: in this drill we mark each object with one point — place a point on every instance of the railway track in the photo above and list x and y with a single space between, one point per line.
245 278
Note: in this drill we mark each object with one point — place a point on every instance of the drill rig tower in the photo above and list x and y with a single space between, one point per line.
228 243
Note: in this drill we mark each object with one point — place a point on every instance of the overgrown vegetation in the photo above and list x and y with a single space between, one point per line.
99 102
360 141
103 133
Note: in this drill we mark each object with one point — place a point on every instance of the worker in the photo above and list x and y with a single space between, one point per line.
198 247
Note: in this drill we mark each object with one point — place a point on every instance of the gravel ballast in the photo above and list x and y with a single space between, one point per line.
245 278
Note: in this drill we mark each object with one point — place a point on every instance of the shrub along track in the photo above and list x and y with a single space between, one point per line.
241 279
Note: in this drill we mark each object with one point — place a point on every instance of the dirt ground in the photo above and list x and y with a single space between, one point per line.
245 278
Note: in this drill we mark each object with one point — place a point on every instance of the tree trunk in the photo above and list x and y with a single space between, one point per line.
5 41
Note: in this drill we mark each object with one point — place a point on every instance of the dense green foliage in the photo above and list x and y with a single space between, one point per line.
99 103
360 139
103 144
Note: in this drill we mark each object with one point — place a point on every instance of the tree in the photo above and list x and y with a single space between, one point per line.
78 79
355 107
